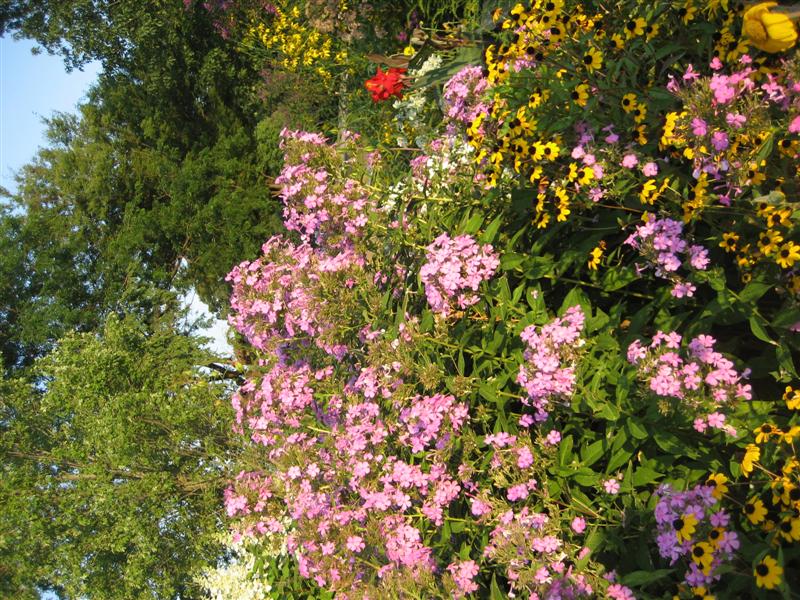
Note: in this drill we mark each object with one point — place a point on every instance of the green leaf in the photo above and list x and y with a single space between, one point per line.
759 331
754 290
635 428
494 590
593 452
638 578
565 451
491 231
645 476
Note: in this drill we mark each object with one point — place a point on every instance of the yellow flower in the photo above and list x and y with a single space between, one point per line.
789 529
767 573
628 102
792 398
635 27
587 176
755 511
729 241
639 113
751 455
768 241
684 527
409 51
646 196
788 254
768 31
580 95
618 40
703 555
596 254
717 481
764 432
593 59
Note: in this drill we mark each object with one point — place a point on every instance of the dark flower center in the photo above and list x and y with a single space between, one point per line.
762 570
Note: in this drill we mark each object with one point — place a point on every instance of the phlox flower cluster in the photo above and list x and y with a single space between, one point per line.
423 424
463 573
279 298
539 562
323 207
701 380
691 526
454 270
548 373
463 95
337 475
661 243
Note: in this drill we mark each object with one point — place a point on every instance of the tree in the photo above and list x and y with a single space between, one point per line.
113 464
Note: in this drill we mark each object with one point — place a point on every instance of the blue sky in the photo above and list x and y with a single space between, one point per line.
32 87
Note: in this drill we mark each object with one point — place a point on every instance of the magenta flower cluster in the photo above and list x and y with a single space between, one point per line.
321 206
279 299
691 526
702 380
454 271
548 373
661 243
463 100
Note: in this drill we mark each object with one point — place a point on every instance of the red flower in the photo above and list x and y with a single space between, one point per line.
385 85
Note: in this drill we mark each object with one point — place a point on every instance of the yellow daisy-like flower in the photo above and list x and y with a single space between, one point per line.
593 59
628 102
788 254
755 511
580 95
765 431
646 195
639 113
635 27
586 176
768 573
751 455
792 398
651 31
687 13
717 481
728 242
789 529
700 593
618 41
703 555
596 255
789 436
768 241
684 527
769 31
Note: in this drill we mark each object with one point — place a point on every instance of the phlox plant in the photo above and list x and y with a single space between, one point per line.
538 356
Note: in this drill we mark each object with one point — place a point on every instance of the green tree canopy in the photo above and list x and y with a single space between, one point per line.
113 464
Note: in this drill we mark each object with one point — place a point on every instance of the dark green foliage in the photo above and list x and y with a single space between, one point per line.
112 465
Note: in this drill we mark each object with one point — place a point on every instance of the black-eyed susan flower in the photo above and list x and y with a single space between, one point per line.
647 194
703 555
729 240
687 13
628 102
792 398
768 573
717 481
779 216
580 95
639 113
651 31
770 31
765 431
789 529
787 255
596 255
684 527
586 176
751 455
593 59
755 511
635 27
768 241
618 41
